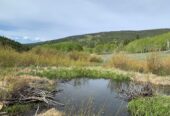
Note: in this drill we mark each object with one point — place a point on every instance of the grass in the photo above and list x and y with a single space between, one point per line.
8 82
73 72
46 57
11 83
150 106
18 109
122 61
153 63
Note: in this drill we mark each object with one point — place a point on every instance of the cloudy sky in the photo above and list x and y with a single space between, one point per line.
39 20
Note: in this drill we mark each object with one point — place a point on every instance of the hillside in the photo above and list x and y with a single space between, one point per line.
105 42
8 43
160 42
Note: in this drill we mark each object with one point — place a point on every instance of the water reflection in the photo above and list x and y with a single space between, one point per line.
104 93
115 86
80 82
77 92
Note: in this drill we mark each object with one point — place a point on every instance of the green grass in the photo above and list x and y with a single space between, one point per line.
150 106
17 109
70 73
149 44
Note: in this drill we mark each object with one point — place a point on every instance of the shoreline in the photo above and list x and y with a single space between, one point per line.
101 72
147 77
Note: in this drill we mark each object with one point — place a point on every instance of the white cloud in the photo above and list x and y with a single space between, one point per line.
42 20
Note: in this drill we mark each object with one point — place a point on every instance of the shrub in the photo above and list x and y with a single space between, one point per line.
119 61
95 58
78 56
154 63
43 57
65 46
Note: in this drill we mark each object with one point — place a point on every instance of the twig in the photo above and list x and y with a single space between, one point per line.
37 110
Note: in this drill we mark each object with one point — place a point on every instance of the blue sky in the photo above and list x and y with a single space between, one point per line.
39 20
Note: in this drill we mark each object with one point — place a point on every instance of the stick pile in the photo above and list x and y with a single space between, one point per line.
29 94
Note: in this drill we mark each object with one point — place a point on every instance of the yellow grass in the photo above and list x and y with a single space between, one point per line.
44 57
122 61
10 82
154 63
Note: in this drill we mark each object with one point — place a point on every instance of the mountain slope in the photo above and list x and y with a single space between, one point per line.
156 43
6 42
109 36
105 42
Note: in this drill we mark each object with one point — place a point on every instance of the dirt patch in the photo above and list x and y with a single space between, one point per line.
52 112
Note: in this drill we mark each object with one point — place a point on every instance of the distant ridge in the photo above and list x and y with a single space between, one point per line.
100 43
108 36
6 42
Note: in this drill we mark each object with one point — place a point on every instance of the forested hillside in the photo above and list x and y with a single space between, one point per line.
156 43
8 43
105 42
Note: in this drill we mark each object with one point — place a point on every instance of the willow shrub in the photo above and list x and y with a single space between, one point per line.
45 57
154 63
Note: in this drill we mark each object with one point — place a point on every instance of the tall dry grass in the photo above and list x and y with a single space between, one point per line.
122 61
154 63
44 57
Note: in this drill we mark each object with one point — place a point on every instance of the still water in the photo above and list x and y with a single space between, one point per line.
98 96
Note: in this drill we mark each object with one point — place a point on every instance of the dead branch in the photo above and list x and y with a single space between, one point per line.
28 94
134 91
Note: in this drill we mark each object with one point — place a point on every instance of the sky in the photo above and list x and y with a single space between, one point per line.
30 21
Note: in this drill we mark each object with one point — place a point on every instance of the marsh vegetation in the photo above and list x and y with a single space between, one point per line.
81 70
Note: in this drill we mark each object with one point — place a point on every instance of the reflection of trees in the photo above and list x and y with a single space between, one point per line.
116 86
80 82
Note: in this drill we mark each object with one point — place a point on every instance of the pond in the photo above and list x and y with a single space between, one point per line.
99 96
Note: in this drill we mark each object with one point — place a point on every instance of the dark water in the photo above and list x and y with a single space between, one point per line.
99 95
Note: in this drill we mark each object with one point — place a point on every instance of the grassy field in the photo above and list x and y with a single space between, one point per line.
150 106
